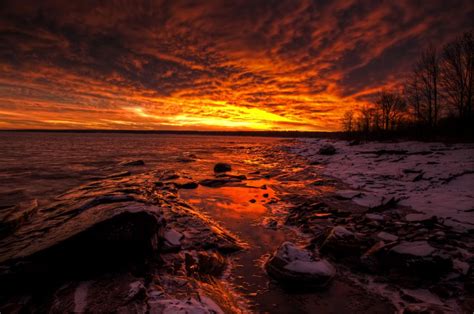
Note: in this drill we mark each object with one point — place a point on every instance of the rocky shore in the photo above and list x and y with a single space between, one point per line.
133 241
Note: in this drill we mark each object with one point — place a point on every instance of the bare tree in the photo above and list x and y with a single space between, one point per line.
391 106
348 121
413 95
426 75
457 74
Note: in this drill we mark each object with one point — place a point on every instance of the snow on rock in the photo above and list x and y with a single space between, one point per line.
416 248
433 178
291 264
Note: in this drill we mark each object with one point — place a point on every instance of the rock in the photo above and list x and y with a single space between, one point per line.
183 183
270 223
469 280
293 265
118 293
421 218
347 194
253 200
417 259
205 263
218 182
342 243
385 236
222 167
133 163
172 239
327 149
106 240
376 217
424 308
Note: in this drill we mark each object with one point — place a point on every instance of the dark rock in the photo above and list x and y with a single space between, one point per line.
104 240
252 200
424 308
417 260
344 244
133 163
296 266
327 149
119 293
218 182
222 167
185 184
205 263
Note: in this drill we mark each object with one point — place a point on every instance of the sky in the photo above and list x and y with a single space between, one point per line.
209 65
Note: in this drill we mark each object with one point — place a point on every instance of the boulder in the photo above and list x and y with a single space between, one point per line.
418 260
222 167
327 149
296 266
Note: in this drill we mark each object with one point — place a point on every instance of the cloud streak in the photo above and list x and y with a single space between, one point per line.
210 64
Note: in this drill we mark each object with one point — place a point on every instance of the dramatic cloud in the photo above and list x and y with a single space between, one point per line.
208 64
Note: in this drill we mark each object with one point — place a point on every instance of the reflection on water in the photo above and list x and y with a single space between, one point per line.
233 201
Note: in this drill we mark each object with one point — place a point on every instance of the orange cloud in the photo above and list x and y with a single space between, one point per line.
212 65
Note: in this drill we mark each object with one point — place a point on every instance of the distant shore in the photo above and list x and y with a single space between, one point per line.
287 134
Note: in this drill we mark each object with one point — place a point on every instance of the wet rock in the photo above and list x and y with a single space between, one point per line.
232 176
118 293
133 163
347 194
104 240
420 218
222 167
418 259
218 182
293 265
327 149
385 236
270 223
183 183
172 239
191 305
375 217
424 308
205 263
342 243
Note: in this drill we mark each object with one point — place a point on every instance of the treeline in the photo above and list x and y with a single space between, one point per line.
436 97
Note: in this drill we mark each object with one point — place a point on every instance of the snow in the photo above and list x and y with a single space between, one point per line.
433 178
416 248
302 261
321 267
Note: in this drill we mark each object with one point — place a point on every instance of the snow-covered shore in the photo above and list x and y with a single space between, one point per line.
432 178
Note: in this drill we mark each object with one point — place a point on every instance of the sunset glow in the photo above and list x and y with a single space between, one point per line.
213 65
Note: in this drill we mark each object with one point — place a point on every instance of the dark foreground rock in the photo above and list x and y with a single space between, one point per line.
107 246
222 167
295 266
327 149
